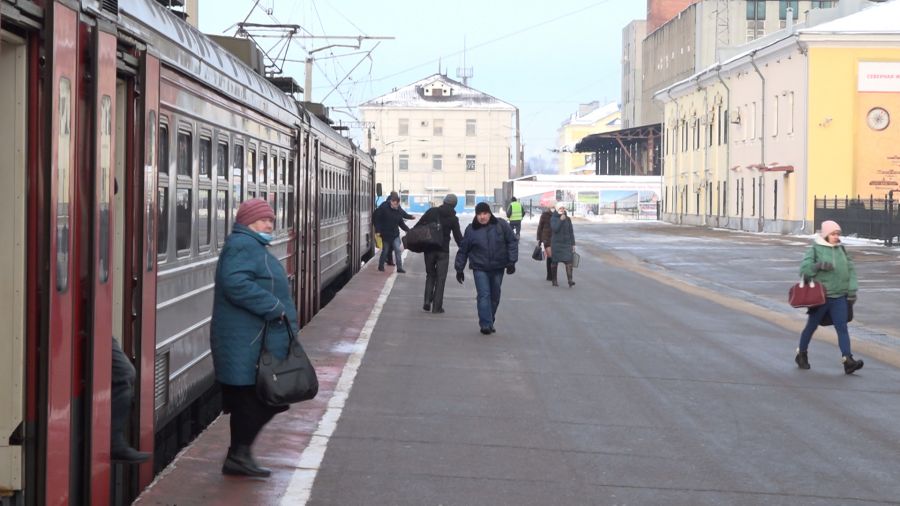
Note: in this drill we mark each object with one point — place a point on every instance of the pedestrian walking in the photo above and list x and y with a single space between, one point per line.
406 216
514 214
122 393
828 263
490 247
437 259
545 236
388 220
563 239
252 295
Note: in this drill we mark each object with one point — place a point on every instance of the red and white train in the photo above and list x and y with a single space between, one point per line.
97 95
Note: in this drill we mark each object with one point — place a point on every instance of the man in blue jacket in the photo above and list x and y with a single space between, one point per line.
388 220
490 247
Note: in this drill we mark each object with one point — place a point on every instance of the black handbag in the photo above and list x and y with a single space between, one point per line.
280 382
423 237
538 253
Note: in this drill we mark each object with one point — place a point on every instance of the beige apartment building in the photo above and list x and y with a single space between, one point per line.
591 118
437 136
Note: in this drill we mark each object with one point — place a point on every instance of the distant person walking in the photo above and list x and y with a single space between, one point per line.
563 244
388 220
545 235
514 213
437 260
827 262
252 295
489 246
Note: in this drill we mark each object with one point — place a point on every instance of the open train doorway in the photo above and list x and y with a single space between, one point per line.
12 259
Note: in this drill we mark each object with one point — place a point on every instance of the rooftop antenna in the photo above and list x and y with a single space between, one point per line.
464 73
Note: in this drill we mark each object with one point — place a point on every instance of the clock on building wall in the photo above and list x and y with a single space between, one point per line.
878 118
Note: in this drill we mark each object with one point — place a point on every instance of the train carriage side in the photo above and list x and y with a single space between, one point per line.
364 198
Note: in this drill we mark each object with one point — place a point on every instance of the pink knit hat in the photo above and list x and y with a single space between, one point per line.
252 210
828 227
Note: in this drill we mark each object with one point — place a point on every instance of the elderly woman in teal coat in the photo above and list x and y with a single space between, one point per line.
252 296
828 263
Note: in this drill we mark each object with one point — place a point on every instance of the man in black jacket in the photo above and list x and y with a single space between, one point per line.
489 246
406 216
388 220
437 259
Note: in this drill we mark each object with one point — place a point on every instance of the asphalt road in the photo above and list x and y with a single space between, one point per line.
665 376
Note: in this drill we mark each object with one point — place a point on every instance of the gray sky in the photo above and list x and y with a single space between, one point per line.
543 57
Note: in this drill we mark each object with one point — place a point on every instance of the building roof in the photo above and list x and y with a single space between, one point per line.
460 96
608 140
880 18
593 116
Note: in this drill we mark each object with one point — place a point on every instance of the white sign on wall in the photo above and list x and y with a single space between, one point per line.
883 76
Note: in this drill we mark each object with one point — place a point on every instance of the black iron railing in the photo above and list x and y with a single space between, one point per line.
868 218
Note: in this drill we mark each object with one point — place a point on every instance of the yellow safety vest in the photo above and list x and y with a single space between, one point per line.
516 208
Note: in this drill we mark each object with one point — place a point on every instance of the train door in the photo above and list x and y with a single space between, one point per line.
105 102
12 259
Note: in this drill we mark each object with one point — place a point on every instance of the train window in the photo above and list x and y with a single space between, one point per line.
221 216
282 175
184 154
204 213
205 157
237 180
163 150
162 231
105 132
263 167
270 175
270 198
63 149
279 223
150 212
251 169
291 172
290 210
222 160
183 221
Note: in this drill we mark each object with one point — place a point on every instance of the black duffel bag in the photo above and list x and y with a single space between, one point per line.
424 237
285 381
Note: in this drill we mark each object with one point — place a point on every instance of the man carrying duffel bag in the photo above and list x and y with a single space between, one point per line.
437 258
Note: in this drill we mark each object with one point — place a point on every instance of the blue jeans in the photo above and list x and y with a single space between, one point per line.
838 308
395 245
487 286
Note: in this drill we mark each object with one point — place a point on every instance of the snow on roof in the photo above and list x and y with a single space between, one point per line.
459 96
880 18
593 116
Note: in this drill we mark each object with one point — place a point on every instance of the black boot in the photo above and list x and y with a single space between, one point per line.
128 455
240 462
802 359
851 365
554 271
549 269
569 267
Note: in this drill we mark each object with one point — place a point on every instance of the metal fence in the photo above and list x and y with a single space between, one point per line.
868 218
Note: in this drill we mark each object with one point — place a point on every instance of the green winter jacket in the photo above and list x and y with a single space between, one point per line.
837 282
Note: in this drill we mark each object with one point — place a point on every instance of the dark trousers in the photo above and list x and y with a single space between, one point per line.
248 414
517 227
436 264
122 393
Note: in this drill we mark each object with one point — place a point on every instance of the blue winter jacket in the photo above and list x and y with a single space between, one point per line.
487 247
251 289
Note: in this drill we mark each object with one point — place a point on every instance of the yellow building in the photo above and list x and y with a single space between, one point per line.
808 113
590 119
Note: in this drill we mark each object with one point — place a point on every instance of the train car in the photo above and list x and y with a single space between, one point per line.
129 141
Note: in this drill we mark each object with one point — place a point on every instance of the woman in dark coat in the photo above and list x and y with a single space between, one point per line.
563 243
545 236
251 293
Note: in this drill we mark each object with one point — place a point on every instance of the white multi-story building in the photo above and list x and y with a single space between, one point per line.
438 136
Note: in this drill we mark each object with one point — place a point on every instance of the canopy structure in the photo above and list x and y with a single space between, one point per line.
627 152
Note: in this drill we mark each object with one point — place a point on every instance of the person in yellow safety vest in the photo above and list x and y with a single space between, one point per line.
514 214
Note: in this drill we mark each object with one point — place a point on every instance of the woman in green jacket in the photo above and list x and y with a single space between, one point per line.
827 262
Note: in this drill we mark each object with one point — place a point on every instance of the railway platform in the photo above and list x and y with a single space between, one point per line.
652 381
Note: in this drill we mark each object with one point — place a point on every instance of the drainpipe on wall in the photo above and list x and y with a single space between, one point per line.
675 151
705 149
804 179
762 140
728 143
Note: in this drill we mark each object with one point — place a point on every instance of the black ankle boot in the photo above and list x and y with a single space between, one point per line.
240 462
851 365
802 359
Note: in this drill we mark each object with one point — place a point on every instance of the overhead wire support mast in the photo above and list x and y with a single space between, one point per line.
289 31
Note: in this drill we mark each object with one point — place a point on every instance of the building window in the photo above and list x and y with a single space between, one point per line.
437 162
756 9
823 4
470 198
403 126
783 7
470 128
470 162
438 126
404 197
403 162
